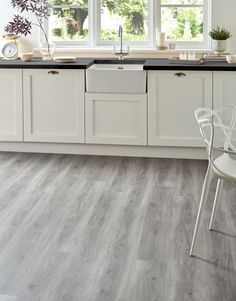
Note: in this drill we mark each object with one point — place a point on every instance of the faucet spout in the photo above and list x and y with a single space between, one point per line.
120 34
120 31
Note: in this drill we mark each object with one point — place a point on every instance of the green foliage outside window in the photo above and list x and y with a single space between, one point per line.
74 17
188 23
132 10
72 14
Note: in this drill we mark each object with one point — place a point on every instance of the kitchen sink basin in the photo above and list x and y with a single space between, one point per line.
116 78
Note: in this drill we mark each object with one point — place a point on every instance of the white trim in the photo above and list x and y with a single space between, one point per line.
109 50
151 22
182 5
99 24
96 17
106 150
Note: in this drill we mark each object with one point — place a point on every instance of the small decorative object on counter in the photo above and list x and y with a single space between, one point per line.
64 59
171 45
177 60
213 57
161 41
10 48
27 56
187 55
219 37
231 59
183 55
46 48
21 25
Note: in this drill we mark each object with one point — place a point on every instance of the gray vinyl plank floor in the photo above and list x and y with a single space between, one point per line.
90 228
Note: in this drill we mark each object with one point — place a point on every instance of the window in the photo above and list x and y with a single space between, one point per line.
95 22
131 14
184 21
69 21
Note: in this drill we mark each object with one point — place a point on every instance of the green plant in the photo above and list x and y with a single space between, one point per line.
57 32
220 34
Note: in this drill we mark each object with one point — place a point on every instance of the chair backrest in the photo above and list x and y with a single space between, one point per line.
216 129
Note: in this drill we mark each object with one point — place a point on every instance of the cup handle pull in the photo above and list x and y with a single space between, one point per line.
179 74
53 72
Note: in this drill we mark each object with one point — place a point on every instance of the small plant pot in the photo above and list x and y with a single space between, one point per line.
219 46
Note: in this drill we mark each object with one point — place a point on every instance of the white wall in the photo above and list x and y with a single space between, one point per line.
6 14
223 14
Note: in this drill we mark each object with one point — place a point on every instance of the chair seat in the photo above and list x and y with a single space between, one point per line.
227 165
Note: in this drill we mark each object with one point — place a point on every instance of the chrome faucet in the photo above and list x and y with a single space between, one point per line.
121 51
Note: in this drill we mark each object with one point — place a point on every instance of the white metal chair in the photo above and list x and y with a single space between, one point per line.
221 155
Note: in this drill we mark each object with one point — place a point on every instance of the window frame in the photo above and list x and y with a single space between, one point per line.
205 44
154 19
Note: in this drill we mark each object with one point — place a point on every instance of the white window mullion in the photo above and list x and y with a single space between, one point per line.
151 22
207 22
158 19
98 23
91 23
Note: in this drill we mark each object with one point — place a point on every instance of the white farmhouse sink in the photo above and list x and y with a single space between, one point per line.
116 78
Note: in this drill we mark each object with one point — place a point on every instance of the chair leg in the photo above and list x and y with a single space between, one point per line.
216 202
205 190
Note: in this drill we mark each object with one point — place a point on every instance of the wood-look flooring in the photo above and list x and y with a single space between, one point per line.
88 228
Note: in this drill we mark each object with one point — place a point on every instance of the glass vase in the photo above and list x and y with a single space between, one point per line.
47 49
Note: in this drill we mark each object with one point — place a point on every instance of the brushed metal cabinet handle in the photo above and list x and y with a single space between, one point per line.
53 72
179 74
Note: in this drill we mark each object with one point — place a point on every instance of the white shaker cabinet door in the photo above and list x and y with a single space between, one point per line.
116 118
172 98
225 93
11 124
54 105
224 88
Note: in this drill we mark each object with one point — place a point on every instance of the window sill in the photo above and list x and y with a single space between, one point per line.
107 52
132 50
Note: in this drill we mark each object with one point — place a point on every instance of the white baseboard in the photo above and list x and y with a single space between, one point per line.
108 150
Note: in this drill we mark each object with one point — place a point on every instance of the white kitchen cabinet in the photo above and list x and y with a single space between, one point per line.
54 105
11 124
224 92
116 118
172 98
224 88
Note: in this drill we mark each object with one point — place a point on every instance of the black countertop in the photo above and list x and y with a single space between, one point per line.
164 64
149 64
81 63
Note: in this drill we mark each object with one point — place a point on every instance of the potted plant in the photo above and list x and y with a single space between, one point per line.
22 26
219 36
